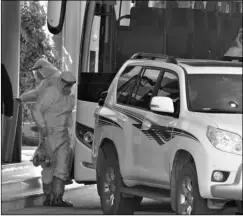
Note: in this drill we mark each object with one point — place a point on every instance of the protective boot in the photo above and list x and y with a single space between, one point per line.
47 189
58 191
68 182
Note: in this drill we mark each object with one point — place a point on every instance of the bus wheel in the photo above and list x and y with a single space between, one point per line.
110 183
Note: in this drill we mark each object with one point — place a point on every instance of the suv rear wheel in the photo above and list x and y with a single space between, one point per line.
110 183
189 200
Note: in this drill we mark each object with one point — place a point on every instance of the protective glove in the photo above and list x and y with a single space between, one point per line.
19 100
43 132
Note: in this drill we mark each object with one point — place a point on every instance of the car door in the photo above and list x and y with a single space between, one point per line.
139 105
129 118
154 150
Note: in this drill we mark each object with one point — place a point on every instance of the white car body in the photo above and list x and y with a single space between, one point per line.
146 161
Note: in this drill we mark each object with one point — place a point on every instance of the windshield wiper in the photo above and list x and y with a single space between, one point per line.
214 110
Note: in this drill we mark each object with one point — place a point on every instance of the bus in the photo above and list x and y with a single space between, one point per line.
100 35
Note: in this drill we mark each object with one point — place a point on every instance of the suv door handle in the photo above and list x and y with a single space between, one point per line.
122 118
146 125
171 124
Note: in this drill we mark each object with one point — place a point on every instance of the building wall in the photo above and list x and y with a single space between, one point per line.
10 41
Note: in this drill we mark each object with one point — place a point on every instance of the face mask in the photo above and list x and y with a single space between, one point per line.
67 90
38 76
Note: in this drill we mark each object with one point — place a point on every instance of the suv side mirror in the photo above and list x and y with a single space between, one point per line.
102 98
162 104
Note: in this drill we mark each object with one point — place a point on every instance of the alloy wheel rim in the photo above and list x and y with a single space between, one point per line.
109 187
186 197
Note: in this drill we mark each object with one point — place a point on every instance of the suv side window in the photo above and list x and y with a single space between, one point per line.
142 95
126 83
170 88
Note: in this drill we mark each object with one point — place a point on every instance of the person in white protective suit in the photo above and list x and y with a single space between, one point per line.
45 75
235 49
54 116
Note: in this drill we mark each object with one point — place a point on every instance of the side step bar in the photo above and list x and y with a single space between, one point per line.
148 192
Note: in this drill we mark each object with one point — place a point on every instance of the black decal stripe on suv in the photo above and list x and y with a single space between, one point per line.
179 132
153 136
138 125
136 117
160 134
163 135
106 121
166 133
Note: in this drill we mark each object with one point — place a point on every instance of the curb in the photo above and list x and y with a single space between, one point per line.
16 166
31 199
17 187
22 186
23 202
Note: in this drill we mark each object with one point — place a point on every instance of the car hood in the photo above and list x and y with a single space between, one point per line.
229 122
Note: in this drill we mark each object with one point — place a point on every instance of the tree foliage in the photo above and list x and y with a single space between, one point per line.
35 42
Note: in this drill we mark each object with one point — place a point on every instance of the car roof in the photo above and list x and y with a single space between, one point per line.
212 63
194 66
202 66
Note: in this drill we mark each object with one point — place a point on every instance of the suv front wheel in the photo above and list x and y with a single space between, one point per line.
110 183
189 200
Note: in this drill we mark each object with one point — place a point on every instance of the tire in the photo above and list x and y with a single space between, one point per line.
100 160
137 202
36 161
239 204
188 175
112 200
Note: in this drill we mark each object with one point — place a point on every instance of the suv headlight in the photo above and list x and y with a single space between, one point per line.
224 140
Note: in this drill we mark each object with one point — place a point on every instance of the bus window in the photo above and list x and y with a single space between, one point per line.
184 29
94 46
98 43
138 32
123 12
194 29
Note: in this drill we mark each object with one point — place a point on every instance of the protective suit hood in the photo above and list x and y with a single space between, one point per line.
46 68
67 78
236 49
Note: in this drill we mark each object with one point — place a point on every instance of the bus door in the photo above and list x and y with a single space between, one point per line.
95 73
95 70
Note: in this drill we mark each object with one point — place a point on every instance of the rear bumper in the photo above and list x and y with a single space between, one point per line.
229 191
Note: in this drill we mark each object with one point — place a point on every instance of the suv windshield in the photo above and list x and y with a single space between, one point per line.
215 93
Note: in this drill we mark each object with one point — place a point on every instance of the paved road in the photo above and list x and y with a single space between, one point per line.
27 152
86 201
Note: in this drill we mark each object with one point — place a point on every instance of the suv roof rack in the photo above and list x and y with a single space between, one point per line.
153 56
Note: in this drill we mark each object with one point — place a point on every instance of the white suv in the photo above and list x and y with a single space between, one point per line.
170 128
